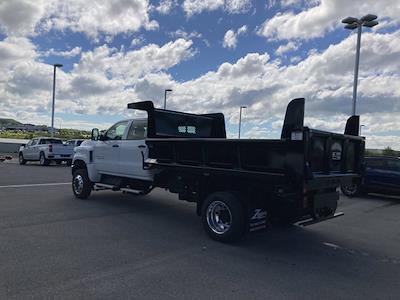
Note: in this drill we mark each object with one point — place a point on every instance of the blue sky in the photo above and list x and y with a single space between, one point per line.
215 55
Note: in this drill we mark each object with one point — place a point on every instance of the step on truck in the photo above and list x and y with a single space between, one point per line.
239 185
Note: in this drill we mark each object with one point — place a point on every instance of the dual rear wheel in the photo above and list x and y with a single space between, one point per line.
223 217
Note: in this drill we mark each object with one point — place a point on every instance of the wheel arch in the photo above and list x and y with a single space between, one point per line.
78 165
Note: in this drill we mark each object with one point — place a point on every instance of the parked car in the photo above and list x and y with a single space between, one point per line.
45 150
239 185
75 142
382 175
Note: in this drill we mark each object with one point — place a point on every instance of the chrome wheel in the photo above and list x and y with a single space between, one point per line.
219 217
21 159
42 159
78 184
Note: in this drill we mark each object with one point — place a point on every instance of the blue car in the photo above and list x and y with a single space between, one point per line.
382 175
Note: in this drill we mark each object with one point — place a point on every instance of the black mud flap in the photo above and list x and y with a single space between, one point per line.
325 204
257 219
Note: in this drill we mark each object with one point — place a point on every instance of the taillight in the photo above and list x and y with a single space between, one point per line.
50 148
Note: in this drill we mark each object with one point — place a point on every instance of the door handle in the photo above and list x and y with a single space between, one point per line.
141 146
115 146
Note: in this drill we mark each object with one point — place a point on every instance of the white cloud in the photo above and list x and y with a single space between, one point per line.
137 41
324 16
14 50
242 30
180 33
102 82
295 59
69 53
193 7
96 17
20 17
231 37
237 6
290 46
165 6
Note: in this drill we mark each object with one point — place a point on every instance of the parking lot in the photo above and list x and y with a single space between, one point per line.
117 246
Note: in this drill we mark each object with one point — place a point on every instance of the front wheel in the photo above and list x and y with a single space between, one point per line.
223 217
21 159
81 184
350 190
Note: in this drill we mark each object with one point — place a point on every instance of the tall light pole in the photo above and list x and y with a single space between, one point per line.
353 23
165 97
54 97
240 118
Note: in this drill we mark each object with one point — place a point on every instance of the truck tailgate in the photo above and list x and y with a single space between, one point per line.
62 150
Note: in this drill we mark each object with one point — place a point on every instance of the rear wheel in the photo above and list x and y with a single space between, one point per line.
350 190
81 184
223 217
21 159
43 160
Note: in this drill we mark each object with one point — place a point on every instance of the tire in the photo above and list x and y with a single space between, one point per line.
69 162
352 190
43 160
223 217
81 184
21 159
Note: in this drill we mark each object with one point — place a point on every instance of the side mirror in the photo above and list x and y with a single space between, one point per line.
95 134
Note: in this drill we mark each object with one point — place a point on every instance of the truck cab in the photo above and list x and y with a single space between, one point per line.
116 155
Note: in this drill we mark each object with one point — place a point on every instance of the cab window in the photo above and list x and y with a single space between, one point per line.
137 131
116 131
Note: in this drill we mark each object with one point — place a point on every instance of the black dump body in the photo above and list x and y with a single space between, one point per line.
294 177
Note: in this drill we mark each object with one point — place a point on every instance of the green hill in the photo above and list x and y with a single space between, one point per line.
8 122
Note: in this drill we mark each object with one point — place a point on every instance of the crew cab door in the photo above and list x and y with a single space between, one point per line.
27 151
133 150
107 151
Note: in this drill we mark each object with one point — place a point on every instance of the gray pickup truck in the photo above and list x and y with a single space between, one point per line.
45 150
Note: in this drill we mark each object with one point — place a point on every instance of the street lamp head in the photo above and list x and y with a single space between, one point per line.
168 90
58 65
350 20
370 24
351 26
368 18
243 106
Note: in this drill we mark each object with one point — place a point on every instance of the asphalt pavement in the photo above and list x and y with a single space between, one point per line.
117 246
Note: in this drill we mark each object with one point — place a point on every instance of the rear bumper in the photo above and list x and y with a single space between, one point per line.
59 157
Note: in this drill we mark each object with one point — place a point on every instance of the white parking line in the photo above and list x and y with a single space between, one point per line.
33 185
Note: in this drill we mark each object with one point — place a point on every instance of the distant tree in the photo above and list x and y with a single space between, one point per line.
389 152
